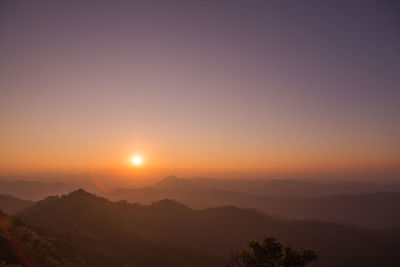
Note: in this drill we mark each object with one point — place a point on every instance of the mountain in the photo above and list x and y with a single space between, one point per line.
10 204
34 190
370 210
274 187
294 188
175 183
180 236
278 187
376 210
108 232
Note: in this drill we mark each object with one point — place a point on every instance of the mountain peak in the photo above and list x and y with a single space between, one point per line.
79 192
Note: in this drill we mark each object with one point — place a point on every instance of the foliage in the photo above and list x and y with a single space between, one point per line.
21 245
270 253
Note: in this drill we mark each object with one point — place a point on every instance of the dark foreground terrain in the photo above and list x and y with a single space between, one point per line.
82 229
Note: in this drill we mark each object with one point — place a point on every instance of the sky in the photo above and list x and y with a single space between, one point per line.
201 88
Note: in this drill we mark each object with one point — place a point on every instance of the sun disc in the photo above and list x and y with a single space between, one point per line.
136 160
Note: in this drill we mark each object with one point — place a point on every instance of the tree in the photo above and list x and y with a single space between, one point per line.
270 253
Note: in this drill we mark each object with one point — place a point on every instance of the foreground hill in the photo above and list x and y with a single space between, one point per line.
370 210
21 245
179 236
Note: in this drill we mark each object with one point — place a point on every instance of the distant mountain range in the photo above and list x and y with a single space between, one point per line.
278 187
167 233
362 204
10 204
290 198
34 190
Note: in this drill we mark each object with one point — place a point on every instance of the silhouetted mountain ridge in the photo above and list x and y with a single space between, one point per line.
130 230
294 187
373 210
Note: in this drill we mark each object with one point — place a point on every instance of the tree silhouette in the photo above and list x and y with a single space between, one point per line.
270 253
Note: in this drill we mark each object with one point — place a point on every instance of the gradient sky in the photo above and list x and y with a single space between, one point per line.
216 88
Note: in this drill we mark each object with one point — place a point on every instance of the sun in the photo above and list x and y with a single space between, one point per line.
137 160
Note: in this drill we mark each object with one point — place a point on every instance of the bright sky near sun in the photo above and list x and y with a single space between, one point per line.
137 160
197 88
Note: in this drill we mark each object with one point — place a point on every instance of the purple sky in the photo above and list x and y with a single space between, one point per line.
200 87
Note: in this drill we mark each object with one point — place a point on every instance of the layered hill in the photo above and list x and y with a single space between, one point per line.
181 236
10 204
283 187
34 190
370 210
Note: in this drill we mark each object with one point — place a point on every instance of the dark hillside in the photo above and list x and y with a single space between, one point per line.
133 230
